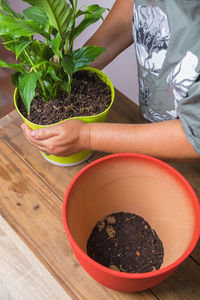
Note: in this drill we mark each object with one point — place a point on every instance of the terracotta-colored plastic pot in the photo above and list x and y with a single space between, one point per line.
141 185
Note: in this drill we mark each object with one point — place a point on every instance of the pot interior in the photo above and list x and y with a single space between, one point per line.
137 185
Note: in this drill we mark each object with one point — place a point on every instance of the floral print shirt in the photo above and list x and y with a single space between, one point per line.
167 43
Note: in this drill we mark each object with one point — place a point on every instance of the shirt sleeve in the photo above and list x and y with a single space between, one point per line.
189 114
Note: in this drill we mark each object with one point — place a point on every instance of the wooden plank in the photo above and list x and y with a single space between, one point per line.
21 273
7 87
183 284
57 177
4 99
6 109
34 211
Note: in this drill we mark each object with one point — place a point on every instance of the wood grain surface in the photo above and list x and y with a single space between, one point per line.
31 201
22 275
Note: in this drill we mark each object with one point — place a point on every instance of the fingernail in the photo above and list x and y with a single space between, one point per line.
34 133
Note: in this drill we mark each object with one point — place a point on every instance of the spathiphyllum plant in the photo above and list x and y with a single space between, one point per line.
46 64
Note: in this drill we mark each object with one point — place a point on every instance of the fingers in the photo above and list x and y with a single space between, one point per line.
48 145
60 140
38 134
38 143
26 129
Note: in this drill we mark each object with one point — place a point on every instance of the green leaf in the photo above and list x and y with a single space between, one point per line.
55 44
47 27
27 86
13 27
48 86
80 13
71 2
9 43
40 51
66 86
92 14
20 47
96 9
6 7
36 14
52 89
41 63
68 64
4 64
51 71
58 11
84 56
15 78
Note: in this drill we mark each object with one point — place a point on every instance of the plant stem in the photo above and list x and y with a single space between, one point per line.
29 58
75 6
35 70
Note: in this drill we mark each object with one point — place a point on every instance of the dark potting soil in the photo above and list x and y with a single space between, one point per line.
125 242
89 96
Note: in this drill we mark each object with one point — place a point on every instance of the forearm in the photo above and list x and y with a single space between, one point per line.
115 34
165 140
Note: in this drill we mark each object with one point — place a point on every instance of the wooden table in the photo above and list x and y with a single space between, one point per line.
36 260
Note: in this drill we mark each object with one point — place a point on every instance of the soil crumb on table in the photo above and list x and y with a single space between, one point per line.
125 242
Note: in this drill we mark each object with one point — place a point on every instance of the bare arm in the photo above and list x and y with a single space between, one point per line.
115 34
165 140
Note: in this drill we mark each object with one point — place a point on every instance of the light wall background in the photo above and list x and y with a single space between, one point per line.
123 70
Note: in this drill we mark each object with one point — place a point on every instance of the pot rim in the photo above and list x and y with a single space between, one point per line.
93 70
170 170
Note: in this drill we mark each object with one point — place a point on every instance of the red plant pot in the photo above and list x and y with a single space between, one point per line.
141 185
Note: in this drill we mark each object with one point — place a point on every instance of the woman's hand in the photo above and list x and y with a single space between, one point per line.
153 139
62 139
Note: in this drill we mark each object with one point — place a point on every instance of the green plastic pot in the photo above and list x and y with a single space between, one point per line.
79 157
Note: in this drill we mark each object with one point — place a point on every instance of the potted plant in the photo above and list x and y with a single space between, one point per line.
48 69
